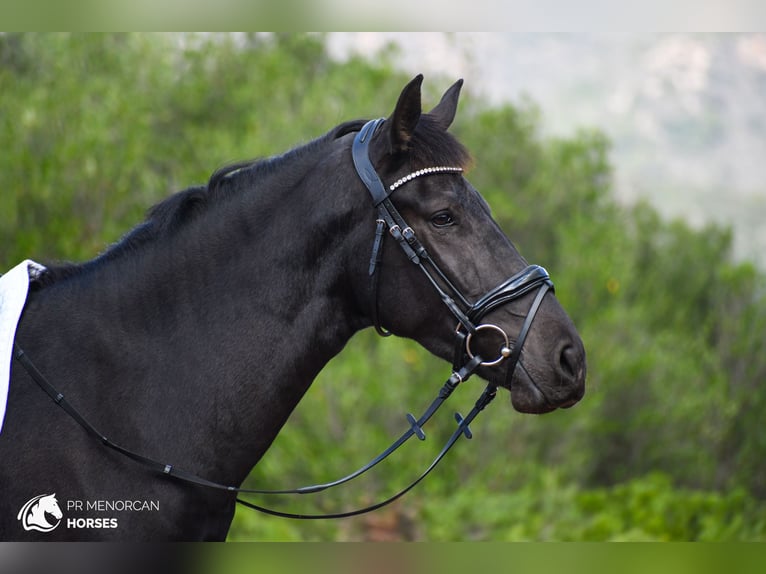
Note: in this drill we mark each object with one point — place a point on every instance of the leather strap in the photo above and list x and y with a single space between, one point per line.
512 288
462 430
61 401
364 167
415 429
513 360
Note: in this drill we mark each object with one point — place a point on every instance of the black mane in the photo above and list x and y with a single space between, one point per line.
430 145
167 216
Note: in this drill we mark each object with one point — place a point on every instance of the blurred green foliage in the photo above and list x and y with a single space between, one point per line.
668 442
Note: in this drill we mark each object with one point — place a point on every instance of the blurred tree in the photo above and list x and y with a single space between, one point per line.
667 442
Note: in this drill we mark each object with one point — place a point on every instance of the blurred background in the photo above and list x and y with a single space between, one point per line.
630 166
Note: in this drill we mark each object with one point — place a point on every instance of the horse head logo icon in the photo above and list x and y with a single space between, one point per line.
41 513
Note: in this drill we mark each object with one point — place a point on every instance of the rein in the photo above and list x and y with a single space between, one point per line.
465 361
185 476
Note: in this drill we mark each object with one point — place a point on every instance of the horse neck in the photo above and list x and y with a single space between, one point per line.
203 344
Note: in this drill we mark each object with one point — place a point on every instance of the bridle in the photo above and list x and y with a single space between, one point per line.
467 314
465 360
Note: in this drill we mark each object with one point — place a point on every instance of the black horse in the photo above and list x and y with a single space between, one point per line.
193 338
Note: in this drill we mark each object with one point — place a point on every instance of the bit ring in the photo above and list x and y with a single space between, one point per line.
505 350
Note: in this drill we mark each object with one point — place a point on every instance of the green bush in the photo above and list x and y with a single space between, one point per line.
667 443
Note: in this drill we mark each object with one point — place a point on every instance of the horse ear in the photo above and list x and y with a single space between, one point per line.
406 115
444 112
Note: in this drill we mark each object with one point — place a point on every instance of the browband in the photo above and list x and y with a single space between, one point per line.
361 156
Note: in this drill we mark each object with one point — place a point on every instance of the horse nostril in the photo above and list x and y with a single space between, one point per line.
568 361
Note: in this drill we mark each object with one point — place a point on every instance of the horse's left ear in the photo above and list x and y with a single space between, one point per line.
406 116
444 112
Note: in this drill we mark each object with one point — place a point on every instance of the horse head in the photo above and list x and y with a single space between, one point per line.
470 289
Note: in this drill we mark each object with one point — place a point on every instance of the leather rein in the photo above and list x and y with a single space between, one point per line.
465 361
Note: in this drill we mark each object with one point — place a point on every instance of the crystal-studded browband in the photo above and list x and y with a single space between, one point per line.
424 171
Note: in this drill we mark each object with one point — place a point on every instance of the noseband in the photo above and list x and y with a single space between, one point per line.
465 360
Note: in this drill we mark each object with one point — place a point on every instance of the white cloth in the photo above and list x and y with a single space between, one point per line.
14 286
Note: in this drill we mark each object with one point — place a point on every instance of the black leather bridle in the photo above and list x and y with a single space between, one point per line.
467 314
465 361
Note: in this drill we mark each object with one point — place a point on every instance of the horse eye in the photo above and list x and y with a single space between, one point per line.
443 219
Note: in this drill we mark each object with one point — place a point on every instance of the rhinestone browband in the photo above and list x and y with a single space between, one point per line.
424 171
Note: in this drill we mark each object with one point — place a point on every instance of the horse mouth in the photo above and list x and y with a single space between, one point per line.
528 397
